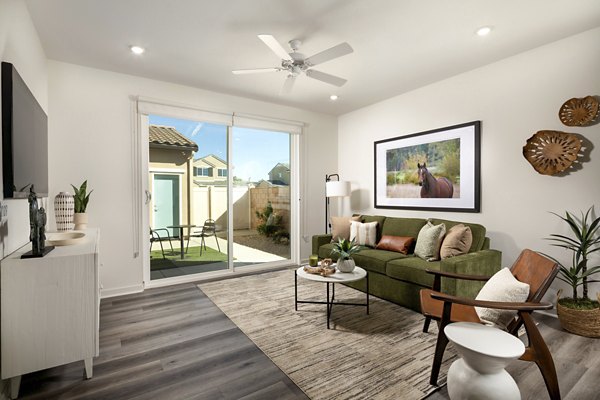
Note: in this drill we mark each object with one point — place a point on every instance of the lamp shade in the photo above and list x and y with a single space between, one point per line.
337 189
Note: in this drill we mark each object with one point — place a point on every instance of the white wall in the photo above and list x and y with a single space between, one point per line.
513 98
20 45
90 138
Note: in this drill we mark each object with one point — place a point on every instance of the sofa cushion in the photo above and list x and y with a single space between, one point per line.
429 241
412 269
458 241
400 244
325 251
375 260
478 232
340 227
375 218
363 234
402 226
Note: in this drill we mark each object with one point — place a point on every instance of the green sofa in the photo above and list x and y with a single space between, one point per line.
399 278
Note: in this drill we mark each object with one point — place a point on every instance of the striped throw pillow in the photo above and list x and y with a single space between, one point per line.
364 234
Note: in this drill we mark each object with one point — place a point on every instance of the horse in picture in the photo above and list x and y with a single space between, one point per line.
433 187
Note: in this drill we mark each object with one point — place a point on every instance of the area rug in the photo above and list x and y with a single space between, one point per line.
384 355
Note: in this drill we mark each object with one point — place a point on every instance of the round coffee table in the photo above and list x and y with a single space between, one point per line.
338 277
480 373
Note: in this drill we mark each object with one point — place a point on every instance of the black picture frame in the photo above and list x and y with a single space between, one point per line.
453 151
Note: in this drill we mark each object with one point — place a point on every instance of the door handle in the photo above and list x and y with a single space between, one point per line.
148 197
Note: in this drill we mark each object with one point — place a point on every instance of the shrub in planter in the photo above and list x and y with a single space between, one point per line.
579 314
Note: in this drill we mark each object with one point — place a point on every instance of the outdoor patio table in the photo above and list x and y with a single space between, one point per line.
181 228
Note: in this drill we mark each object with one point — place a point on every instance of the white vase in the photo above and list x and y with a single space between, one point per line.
346 265
64 208
80 220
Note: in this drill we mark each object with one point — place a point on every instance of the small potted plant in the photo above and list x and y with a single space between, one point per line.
579 314
344 248
81 199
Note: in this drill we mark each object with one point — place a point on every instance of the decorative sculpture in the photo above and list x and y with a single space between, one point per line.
37 228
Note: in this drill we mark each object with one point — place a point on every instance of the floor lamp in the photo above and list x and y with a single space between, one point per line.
334 188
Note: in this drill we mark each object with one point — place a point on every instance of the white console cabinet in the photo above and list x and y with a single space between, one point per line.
50 309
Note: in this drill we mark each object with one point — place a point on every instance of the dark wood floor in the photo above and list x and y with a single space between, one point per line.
167 343
174 343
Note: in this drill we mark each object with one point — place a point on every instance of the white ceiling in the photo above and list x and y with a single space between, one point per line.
399 45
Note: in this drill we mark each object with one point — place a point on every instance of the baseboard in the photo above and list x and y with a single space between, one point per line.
106 293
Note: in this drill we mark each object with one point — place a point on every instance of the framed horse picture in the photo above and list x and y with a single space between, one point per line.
437 170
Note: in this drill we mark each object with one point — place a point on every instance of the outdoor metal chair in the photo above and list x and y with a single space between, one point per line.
208 229
155 236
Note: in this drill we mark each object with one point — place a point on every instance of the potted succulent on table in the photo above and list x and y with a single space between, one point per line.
81 199
579 314
344 248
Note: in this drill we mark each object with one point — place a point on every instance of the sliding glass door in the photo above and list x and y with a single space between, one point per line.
261 196
188 213
219 198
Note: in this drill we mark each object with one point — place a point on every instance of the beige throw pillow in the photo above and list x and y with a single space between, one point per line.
429 241
340 227
502 286
363 234
458 241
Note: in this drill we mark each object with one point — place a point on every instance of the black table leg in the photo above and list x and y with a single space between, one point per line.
367 292
328 306
181 241
296 290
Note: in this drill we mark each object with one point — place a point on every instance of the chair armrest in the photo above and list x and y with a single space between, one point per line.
318 241
499 305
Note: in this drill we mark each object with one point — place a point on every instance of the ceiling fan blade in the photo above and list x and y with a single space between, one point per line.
288 85
336 51
322 76
254 71
275 46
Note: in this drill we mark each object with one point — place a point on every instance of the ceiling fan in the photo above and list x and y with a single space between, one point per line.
295 63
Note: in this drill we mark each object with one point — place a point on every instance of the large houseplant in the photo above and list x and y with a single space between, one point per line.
344 249
579 314
81 198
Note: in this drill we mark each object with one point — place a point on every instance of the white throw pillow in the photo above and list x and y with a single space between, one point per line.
364 234
502 286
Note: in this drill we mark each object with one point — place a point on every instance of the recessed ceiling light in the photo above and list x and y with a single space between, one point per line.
137 49
333 97
484 30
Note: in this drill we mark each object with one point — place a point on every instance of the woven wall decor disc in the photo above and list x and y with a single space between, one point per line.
551 152
579 112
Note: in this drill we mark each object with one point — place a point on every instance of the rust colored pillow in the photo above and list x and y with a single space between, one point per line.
399 244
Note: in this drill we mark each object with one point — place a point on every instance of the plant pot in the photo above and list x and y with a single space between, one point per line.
580 322
80 220
346 265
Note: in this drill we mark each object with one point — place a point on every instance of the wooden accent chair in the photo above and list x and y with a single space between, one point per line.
531 268
208 229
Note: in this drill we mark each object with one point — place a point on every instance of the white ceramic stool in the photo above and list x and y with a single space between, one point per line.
480 373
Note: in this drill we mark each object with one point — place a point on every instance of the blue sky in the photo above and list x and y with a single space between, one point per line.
254 151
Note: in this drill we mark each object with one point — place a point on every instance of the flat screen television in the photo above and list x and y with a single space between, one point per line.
24 138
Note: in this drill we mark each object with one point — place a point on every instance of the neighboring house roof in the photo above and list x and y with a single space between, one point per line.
167 137
211 160
280 165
